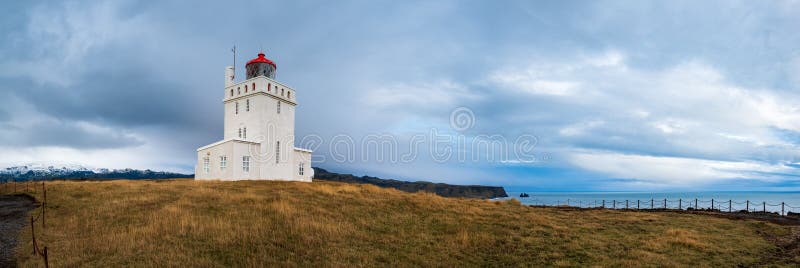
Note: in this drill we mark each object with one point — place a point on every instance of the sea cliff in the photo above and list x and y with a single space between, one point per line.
441 189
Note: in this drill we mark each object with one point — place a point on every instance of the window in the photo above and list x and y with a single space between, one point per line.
237 108
244 133
223 162
282 91
231 92
246 163
254 86
245 88
247 105
269 86
240 132
277 152
205 165
238 90
279 106
289 94
301 169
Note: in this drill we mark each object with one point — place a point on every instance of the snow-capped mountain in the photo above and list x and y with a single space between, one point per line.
46 171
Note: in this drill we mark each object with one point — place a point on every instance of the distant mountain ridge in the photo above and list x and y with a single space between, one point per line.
49 171
442 189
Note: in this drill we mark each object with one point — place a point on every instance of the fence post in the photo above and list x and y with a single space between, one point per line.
637 204
747 207
604 203
782 204
765 207
665 203
680 205
730 206
626 204
615 204
46 261
44 204
651 203
712 203
695 203
33 237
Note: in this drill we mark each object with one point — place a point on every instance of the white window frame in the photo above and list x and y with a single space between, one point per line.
247 105
277 152
246 164
244 133
237 108
206 165
301 168
223 163
279 106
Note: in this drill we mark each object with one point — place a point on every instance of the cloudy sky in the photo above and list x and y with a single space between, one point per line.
609 95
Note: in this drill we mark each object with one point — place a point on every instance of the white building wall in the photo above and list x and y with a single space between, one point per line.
304 157
234 150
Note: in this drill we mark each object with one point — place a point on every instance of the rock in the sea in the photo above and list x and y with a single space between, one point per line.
442 189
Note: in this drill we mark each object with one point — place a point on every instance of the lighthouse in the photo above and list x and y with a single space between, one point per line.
258 136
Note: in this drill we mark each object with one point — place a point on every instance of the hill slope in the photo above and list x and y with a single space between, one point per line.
271 224
442 189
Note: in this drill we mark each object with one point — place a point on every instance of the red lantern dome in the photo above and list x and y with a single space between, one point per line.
260 66
261 58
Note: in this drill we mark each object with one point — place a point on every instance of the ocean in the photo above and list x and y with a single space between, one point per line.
758 201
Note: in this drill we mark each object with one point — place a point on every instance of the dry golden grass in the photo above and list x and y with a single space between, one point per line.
268 224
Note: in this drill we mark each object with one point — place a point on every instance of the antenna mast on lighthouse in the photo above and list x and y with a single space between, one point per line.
234 61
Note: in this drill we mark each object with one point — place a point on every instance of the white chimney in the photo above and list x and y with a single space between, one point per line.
229 76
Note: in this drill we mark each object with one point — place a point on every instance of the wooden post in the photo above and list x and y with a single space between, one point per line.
712 203
626 204
637 204
615 204
33 237
46 260
680 204
651 203
44 205
782 204
765 207
665 203
730 206
604 203
695 203
748 206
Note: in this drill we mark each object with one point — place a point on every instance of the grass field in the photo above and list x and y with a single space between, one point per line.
267 224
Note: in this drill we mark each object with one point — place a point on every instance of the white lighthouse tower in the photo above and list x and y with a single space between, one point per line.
258 140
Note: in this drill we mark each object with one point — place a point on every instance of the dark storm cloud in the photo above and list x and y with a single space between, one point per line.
64 134
124 97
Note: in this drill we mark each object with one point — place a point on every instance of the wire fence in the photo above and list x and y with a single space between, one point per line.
717 205
32 188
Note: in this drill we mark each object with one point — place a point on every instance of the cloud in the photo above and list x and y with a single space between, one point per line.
676 172
421 95
27 127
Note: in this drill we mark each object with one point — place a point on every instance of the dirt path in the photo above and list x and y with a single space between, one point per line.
13 212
